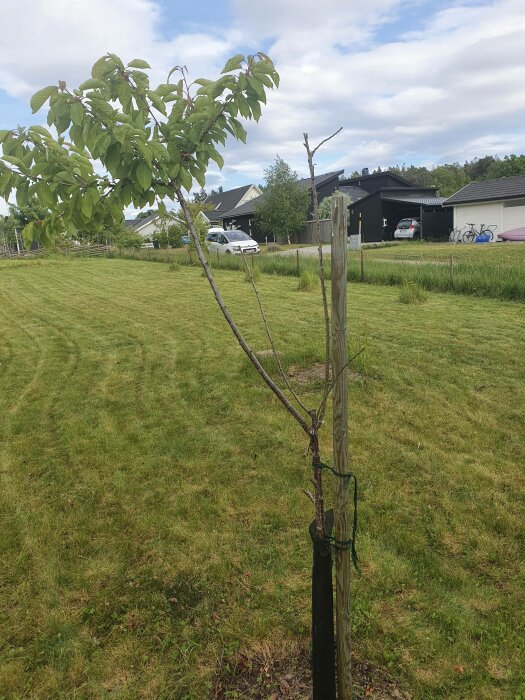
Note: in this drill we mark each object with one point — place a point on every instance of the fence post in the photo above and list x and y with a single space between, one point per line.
340 447
451 267
362 261
297 262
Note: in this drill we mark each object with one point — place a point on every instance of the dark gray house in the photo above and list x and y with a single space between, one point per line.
243 215
381 200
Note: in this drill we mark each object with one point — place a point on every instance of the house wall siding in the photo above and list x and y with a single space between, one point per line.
487 213
513 215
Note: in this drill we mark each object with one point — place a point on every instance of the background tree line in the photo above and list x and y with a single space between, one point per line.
451 177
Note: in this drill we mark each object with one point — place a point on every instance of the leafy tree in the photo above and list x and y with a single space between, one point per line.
200 196
145 214
152 142
325 208
283 210
509 166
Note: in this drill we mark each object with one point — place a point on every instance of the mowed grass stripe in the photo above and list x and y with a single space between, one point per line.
154 514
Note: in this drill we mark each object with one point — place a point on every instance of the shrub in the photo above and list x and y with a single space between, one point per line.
412 293
308 281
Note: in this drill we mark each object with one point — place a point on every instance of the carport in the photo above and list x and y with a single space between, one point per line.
435 220
379 213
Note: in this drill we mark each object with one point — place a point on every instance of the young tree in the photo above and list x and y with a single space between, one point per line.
283 210
153 143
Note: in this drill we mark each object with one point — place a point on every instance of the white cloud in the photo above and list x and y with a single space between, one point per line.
452 89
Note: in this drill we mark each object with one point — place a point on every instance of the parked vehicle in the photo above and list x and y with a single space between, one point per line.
185 239
231 243
408 228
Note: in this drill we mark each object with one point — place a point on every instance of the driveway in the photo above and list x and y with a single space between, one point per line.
307 250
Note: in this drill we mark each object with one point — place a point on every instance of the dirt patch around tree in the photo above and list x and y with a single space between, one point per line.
314 373
266 673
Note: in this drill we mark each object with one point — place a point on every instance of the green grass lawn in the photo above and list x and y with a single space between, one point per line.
491 270
152 519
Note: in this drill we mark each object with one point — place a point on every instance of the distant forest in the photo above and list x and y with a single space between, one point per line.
452 177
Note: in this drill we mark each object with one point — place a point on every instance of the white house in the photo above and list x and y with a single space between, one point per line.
146 227
499 203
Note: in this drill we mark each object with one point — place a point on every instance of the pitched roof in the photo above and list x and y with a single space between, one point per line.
223 201
246 208
421 199
139 223
321 179
483 190
355 193
249 207
373 176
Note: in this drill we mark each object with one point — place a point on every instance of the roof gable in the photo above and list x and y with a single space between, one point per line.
222 201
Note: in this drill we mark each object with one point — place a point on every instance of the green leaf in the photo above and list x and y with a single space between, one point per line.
233 64
216 156
91 84
27 233
87 207
42 96
5 180
99 68
143 176
257 87
3 134
37 129
185 179
138 63
157 102
77 113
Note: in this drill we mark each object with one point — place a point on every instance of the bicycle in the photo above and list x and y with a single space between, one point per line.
456 235
470 234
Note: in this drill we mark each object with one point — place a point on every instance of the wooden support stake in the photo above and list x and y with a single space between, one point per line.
340 444
362 257
451 267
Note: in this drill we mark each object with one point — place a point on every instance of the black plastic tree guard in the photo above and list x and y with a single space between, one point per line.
323 639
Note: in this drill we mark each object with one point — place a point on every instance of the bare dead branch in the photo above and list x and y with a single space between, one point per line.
325 140
229 319
270 338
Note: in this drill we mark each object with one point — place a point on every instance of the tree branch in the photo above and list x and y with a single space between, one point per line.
324 140
272 345
229 319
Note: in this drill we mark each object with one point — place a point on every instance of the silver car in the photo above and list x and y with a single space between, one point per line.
408 228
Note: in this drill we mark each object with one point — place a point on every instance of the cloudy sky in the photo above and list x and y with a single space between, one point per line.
410 81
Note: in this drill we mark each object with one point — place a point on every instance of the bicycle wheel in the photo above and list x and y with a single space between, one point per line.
469 236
